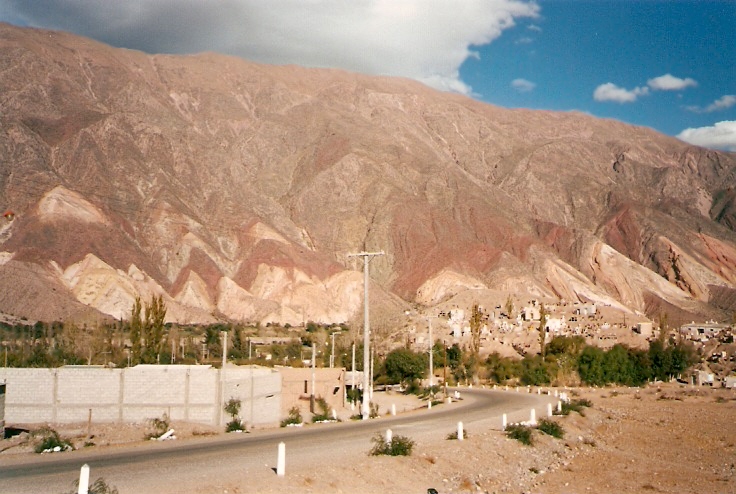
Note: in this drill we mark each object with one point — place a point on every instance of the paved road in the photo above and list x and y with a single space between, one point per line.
142 467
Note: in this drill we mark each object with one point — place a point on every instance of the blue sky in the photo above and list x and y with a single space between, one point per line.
669 65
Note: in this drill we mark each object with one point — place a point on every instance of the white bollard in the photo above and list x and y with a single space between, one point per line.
281 461
429 404
517 389
504 422
393 409
507 387
533 417
460 431
549 409
559 406
334 414
449 399
539 391
389 436
555 393
83 480
457 395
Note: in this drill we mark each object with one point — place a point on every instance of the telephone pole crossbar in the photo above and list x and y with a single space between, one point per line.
365 404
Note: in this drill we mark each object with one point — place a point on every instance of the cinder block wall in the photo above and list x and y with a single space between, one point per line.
189 393
329 384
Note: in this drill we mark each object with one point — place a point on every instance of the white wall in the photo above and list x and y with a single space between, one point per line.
136 394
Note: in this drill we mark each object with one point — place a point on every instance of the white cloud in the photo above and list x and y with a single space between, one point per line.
522 85
534 27
406 38
668 82
723 103
722 135
611 92
524 40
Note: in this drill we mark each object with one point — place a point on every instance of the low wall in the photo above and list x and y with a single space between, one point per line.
296 387
185 392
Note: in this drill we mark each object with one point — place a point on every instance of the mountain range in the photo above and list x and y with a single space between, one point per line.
238 191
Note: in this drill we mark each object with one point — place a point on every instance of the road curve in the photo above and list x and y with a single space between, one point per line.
146 466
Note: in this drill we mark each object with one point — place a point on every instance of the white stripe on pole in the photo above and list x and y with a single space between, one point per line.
549 409
533 417
84 480
459 431
281 461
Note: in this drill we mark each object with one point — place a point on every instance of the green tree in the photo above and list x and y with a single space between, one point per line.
135 332
404 366
542 329
476 321
591 366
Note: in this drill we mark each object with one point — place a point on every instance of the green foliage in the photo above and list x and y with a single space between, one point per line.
521 433
398 446
48 439
566 345
324 410
403 365
476 321
550 427
534 371
574 406
294 418
232 408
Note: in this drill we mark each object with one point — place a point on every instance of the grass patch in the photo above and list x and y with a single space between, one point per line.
398 446
521 433
551 428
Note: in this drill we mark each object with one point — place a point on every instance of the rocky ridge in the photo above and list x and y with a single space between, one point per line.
237 190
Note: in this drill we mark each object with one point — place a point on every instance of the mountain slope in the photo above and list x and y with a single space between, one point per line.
237 190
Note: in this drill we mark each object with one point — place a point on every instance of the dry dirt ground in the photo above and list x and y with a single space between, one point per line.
664 438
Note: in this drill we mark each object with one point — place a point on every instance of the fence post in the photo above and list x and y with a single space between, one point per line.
281 461
83 480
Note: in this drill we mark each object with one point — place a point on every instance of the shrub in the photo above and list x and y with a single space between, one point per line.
574 406
159 425
521 433
49 439
232 408
99 486
294 418
398 446
324 411
551 428
453 435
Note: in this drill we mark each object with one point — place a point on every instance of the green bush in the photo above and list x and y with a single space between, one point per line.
48 439
398 446
521 433
551 428
574 406
234 425
99 486
324 411
453 435
294 418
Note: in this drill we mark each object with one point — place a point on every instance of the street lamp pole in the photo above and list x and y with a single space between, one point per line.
431 348
365 406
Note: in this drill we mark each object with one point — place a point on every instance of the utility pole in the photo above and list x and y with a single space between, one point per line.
365 406
311 395
332 351
222 375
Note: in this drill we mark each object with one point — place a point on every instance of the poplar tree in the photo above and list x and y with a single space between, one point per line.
135 332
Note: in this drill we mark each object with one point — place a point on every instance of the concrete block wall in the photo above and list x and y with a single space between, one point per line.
329 384
137 394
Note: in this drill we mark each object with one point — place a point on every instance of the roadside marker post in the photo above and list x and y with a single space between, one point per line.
281 461
83 480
